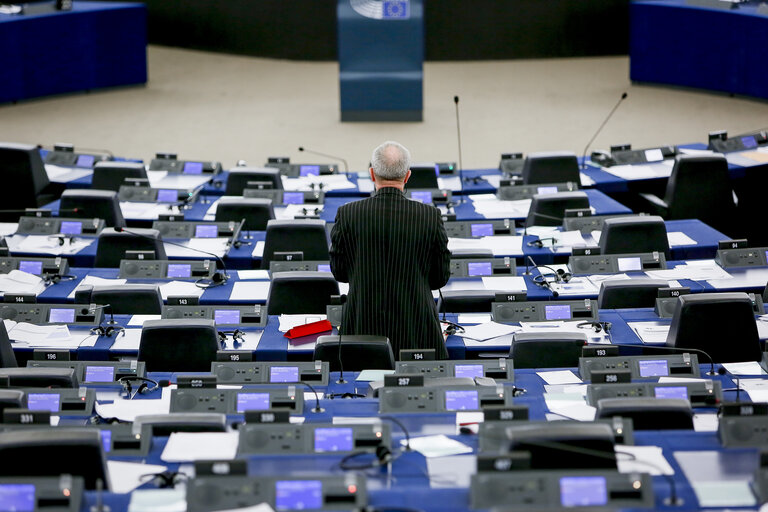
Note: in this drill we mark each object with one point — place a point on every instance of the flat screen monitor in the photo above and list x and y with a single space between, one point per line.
206 231
106 440
583 491
461 400
85 161
284 374
193 168
252 402
31 267
324 267
479 268
546 190
333 440
99 374
167 196
653 368
226 316
629 264
309 170
481 229
680 392
749 141
422 197
43 402
557 312
61 315
293 197
17 498
298 494
69 227
181 270
468 370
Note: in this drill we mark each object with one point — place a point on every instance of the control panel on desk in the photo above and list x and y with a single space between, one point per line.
59 225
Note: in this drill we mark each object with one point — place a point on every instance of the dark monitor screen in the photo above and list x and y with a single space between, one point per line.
481 229
461 400
206 231
106 440
99 374
43 402
468 370
479 268
298 494
309 170
653 368
252 402
71 228
17 498
61 316
557 312
422 197
324 267
167 196
226 316
284 374
680 392
31 267
85 161
333 440
179 270
293 197
193 168
583 491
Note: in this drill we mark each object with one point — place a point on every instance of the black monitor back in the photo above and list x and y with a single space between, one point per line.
178 345
551 167
7 357
422 176
110 175
466 301
239 177
92 204
629 293
306 235
551 350
113 244
358 352
129 299
565 446
256 212
40 377
641 234
295 293
695 321
21 165
53 452
549 209
649 413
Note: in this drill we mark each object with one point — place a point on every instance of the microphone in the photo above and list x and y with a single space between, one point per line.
458 137
584 156
723 371
219 278
233 240
343 299
543 281
676 350
112 326
332 157
317 399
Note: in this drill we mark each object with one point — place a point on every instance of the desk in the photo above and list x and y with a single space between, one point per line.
672 43
95 45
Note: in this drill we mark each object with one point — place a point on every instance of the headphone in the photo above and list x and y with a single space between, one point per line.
539 242
108 331
49 279
63 238
238 336
146 387
561 276
166 479
452 327
597 326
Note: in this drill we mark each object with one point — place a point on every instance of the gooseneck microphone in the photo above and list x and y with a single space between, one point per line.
219 278
458 138
317 397
332 157
608 118
343 300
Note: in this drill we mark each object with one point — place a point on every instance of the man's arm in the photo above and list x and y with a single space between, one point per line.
337 250
440 266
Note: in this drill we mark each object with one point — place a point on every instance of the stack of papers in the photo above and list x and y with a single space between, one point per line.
488 206
146 211
650 332
17 281
45 336
641 172
49 245
498 245
97 281
251 291
487 331
188 447
180 288
697 270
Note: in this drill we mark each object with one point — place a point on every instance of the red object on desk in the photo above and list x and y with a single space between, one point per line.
307 329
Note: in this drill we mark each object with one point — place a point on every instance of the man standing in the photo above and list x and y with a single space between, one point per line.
392 251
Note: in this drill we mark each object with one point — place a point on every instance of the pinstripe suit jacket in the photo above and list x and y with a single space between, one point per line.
392 251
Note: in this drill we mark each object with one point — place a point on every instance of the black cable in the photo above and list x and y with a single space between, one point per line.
317 398
402 427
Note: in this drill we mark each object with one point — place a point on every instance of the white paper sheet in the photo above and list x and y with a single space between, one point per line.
192 446
496 344
505 283
124 477
451 472
642 459
59 174
158 500
487 331
640 172
17 281
498 245
288 322
756 388
138 320
650 332
245 275
745 368
258 249
128 340
146 211
252 291
496 209
559 377
97 281
576 286
572 406
250 341
476 318
437 446
290 211
678 238
48 245
696 269
163 179
192 247
180 288
129 410
705 422
373 375
41 335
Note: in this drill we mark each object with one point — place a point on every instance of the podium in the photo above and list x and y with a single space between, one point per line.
381 59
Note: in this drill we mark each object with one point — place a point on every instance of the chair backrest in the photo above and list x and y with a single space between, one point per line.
700 188
21 165
239 177
422 176
693 321
549 209
629 293
92 204
555 350
625 235
466 301
7 357
299 292
130 299
548 444
551 167
111 175
256 211
306 235
648 413
183 345
357 352
113 244
54 452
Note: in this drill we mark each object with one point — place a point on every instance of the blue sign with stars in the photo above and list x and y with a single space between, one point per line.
396 9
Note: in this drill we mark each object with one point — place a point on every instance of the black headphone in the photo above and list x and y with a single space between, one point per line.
147 385
108 331
539 242
452 328
238 336
166 479
561 276
597 326
50 279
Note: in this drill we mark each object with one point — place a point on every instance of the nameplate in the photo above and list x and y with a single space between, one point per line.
196 381
271 416
395 381
603 351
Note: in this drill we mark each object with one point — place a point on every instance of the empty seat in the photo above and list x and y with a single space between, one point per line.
184 345
648 413
294 293
641 234
698 188
113 244
111 175
92 204
559 445
307 236
422 176
551 167
21 165
629 293
41 377
127 299
549 209
694 320
7 357
466 301
256 212
239 177
547 350
54 452
358 352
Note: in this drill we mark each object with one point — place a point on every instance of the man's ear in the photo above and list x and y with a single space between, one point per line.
407 176
373 176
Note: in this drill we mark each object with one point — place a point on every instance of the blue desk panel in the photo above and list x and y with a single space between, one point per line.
95 45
